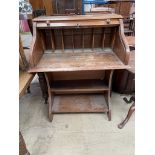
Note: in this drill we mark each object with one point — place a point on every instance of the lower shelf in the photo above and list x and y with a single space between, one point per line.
79 104
78 86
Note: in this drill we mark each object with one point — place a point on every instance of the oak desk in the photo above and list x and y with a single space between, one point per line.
75 57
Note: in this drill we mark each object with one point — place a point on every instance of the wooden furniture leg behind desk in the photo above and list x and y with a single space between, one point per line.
130 112
131 42
43 86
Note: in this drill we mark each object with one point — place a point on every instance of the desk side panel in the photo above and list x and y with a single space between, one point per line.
121 47
37 47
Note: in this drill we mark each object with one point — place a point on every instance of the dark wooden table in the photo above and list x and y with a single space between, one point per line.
131 42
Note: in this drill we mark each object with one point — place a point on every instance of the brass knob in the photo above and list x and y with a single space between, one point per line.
78 25
108 21
48 23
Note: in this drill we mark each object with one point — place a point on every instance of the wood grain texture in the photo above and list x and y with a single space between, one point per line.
76 86
78 62
50 98
77 17
79 24
131 40
42 4
22 58
37 47
123 81
72 75
25 79
120 46
79 104
132 62
48 7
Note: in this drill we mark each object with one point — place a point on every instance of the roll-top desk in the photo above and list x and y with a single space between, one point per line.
75 57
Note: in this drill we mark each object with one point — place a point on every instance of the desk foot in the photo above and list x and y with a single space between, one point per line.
109 115
51 117
130 112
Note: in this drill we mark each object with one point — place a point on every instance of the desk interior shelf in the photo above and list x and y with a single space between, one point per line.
76 86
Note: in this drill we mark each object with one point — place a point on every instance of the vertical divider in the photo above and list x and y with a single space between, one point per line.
103 39
83 40
62 40
92 39
73 39
113 37
52 40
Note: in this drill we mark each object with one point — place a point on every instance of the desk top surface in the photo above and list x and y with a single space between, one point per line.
83 61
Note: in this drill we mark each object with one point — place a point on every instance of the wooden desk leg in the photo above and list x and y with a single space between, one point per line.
130 112
22 146
43 86
107 96
50 99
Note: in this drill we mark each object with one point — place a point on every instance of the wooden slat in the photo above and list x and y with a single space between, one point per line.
62 40
73 39
113 37
79 104
82 39
52 40
76 36
103 39
92 39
